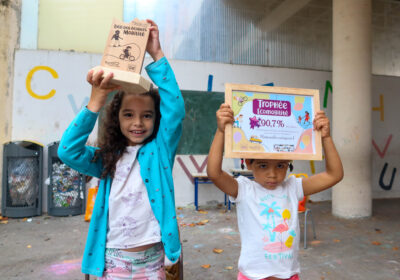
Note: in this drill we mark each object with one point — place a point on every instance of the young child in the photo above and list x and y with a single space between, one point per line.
267 207
133 221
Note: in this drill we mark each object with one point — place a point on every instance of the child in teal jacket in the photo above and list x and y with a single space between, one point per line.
156 129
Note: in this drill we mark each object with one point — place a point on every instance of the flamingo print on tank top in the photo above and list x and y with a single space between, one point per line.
278 236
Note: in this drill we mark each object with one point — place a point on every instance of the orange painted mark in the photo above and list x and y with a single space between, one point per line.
381 108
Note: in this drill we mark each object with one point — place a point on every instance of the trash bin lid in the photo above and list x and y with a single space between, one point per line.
27 143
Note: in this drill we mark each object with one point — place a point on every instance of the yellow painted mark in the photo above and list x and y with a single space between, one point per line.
381 107
312 167
29 80
298 175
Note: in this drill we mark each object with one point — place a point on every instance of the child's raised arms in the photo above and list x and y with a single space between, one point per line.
333 165
153 46
224 181
101 87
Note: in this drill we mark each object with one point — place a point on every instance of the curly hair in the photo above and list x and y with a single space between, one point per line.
112 143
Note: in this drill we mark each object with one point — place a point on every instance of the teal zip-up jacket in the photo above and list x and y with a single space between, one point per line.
156 160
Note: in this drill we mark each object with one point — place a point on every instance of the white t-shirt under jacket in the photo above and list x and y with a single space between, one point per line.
131 221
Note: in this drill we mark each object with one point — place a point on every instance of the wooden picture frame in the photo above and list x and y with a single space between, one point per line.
272 123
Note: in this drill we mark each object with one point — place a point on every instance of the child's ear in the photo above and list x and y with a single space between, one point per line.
248 164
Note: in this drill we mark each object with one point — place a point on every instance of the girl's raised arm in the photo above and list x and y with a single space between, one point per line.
153 46
72 149
172 106
224 181
333 165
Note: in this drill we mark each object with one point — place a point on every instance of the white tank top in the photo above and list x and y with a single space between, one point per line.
131 221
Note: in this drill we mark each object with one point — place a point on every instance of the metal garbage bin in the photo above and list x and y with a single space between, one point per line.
22 180
66 193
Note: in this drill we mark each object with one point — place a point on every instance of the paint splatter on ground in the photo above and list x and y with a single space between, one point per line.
64 267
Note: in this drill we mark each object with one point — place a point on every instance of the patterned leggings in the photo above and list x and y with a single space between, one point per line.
146 265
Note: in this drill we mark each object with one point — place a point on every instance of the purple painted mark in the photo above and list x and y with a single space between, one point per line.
187 172
196 165
65 267
199 168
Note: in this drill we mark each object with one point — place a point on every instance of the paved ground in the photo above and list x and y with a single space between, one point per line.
51 248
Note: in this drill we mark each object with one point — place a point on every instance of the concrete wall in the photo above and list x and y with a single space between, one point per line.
44 120
10 12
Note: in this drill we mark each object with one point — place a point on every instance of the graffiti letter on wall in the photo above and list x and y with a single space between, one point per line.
382 154
328 86
73 104
381 108
383 186
196 165
312 167
29 80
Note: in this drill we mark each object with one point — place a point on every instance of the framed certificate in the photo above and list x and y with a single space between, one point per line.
272 122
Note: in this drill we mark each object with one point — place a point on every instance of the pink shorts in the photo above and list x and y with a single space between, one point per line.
242 277
145 265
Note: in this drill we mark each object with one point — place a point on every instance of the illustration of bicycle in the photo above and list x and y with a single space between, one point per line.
241 100
127 54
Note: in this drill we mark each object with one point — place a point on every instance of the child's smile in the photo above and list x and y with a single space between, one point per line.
136 118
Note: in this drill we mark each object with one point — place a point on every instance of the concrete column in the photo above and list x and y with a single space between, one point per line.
351 121
10 16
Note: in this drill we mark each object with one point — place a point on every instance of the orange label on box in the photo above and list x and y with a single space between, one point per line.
92 192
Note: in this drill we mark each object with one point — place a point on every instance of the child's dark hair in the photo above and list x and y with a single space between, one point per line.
112 142
290 165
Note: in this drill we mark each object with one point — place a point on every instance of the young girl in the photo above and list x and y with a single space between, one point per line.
133 221
267 206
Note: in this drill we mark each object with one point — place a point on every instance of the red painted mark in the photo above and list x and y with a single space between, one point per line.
196 165
382 154
185 169
199 168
